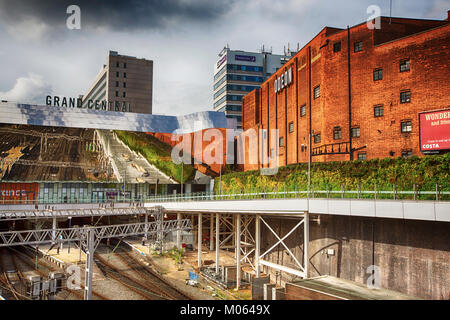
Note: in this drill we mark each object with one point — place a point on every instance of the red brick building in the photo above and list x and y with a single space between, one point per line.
358 91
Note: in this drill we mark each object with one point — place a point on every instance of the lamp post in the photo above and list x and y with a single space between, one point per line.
309 164
220 181
124 186
182 176
306 216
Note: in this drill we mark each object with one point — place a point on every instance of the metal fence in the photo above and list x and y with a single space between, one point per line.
436 195
432 195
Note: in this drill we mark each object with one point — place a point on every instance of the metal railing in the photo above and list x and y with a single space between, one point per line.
81 200
436 195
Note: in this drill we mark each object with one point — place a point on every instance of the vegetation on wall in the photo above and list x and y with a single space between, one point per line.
157 153
414 173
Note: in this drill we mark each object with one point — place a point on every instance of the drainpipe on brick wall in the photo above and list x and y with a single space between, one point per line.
268 125
285 125
309 102
260 146
297 131
349 95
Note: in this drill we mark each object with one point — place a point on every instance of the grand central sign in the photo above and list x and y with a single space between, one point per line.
65 102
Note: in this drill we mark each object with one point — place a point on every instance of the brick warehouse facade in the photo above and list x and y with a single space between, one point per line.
357 89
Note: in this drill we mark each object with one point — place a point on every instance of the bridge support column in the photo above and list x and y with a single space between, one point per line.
160 230
217 241
80 251
258 245
54 231
238 251
179 216
194 231
199 241
235 238
306 243
299 269
211 232
146 226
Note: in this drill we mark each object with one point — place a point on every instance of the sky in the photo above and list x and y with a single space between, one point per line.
39 55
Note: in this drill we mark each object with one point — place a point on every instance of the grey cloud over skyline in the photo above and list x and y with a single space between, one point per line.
183 41
115 14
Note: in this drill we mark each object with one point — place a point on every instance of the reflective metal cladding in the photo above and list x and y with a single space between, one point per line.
25 114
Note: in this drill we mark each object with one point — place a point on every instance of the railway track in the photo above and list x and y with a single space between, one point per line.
12 277
133 284
25 257
151 276
145 275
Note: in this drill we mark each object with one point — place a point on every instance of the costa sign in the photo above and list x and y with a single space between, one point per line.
434 127
283 81
65 102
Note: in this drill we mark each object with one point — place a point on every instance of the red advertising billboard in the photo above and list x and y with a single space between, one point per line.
18 192
434 129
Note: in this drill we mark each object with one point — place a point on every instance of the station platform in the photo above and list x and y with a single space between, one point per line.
190 256
64 254
67 255
176 275
332 288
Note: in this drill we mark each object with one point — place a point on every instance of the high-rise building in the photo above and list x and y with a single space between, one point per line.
124 84
236 73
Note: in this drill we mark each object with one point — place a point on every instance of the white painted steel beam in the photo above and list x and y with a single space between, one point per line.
398 209
29 237
179 217
281 240
306 244
217 241
9 214
258 245
238 250
282 268
199 240
211 232
89 265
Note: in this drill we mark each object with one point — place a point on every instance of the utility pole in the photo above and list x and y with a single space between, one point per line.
160 231
309 166
390 12
89 265
220 181
306 215
124 186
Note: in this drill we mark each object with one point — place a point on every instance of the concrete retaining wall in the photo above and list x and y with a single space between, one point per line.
413 257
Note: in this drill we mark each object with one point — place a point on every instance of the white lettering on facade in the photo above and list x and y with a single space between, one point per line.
283 81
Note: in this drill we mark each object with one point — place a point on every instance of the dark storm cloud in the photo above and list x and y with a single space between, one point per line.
115 14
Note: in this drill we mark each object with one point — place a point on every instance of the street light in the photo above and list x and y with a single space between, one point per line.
309 164
182 176
220 181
